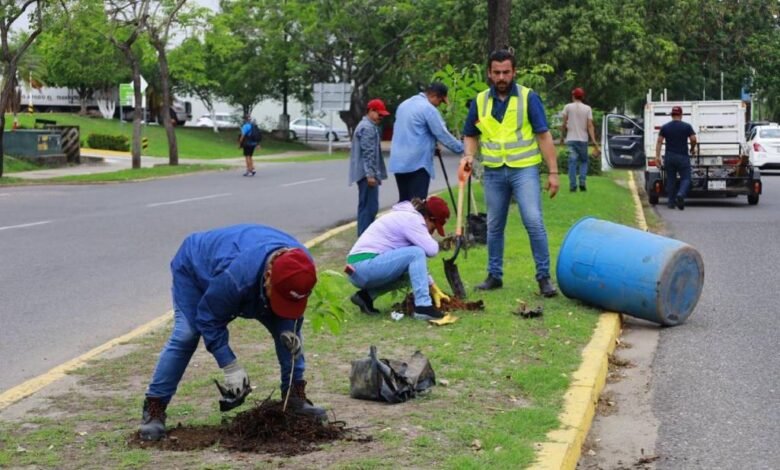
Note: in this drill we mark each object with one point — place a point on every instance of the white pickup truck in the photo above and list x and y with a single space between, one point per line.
720 166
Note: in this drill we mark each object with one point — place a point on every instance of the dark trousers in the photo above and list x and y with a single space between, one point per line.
676 164
414 184
368 205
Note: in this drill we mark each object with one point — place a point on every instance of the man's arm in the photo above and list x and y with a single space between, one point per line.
694 141
439 129
547 146
564 126
592 132
469 149
658 143
368 156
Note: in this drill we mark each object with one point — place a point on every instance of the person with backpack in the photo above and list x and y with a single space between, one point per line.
249 139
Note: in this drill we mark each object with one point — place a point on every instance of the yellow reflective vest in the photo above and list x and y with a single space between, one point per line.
510 142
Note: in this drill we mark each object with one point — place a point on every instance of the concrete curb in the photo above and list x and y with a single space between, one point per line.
562 449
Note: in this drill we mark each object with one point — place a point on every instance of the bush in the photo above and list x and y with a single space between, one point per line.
594 163
108 142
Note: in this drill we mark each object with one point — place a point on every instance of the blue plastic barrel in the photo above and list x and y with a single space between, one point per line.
622 269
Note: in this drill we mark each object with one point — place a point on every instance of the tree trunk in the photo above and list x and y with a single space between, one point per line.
498 24
170 132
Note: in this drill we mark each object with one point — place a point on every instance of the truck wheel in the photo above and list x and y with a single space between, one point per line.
652 198
752 199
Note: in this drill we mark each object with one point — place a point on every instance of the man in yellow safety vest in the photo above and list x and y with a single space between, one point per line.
507 123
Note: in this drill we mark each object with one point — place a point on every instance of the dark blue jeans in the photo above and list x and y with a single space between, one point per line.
368 205
578 162
676 164
414 184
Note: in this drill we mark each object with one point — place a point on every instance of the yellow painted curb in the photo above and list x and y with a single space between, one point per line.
562 449
33 385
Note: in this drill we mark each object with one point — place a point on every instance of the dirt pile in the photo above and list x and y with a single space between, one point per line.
262 429
406 306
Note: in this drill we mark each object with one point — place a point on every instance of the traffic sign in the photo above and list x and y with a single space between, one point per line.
332 96
126 94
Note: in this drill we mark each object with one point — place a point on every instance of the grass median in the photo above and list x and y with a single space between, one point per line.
501 377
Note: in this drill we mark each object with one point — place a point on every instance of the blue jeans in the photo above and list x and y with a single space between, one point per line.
676 164
177 352
414 184
368 205
522 183
385 272
578 156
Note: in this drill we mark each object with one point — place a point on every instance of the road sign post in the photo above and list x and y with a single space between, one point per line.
332 97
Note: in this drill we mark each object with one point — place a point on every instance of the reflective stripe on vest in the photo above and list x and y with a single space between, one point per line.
512 141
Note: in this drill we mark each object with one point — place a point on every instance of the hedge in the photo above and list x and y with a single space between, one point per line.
108 142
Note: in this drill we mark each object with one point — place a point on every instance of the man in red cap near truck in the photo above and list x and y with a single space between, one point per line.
676 161
366 165
250 271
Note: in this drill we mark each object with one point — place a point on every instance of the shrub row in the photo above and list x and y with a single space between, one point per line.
108 142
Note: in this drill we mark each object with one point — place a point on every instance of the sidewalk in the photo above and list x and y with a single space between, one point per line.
106 161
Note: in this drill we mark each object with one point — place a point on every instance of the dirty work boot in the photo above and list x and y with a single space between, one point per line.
364 302
546 287
153 419
490 283
428 312
299 404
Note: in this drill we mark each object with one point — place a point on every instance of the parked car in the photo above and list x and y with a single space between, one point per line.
224 120
313 129
764 146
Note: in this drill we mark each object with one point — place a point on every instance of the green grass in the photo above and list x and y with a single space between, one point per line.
16 165
193 142
314 157
506 376
130 174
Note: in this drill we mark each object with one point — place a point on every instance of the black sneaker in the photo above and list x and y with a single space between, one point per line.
680 202
546 287
490 283
427 313
364 302
574 189
583 188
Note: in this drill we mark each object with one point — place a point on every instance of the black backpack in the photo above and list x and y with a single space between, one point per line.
254 134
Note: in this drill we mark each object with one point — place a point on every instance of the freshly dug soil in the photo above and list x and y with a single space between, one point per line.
262 429
407 305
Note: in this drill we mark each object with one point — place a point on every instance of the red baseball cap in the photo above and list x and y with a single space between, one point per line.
293 277
676 111
578 93
438 212
379 106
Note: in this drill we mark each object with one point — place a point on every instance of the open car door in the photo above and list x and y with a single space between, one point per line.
622 143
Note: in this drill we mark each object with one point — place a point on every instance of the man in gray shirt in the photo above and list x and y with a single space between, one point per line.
366 165
577 124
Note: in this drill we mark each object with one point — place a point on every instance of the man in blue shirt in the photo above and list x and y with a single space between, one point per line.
366 164
248 141
676 161
418 125
508 124
250 271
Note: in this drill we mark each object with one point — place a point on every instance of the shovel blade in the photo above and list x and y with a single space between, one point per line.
453 278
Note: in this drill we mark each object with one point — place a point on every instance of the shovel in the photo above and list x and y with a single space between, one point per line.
450 269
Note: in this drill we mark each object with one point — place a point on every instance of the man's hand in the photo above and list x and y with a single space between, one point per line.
371 181
292 342
437 295
552 184
236 380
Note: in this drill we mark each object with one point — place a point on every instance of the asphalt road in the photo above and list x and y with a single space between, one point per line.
716 382
84 264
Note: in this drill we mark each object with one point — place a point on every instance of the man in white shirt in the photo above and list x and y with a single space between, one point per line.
577 125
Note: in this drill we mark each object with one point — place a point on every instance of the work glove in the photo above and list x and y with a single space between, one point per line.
236 380
292 342
437 295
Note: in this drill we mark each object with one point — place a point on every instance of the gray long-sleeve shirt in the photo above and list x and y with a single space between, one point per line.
365 159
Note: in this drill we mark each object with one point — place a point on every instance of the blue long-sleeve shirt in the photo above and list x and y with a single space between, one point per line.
365 159
218 276
418 126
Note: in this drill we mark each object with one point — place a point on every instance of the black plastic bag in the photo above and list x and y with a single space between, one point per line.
477 227
390 380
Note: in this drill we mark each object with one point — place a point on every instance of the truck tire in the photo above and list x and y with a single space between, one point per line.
652 198
752 199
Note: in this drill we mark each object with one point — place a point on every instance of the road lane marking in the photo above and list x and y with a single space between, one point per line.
302 182
32 224
182 201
